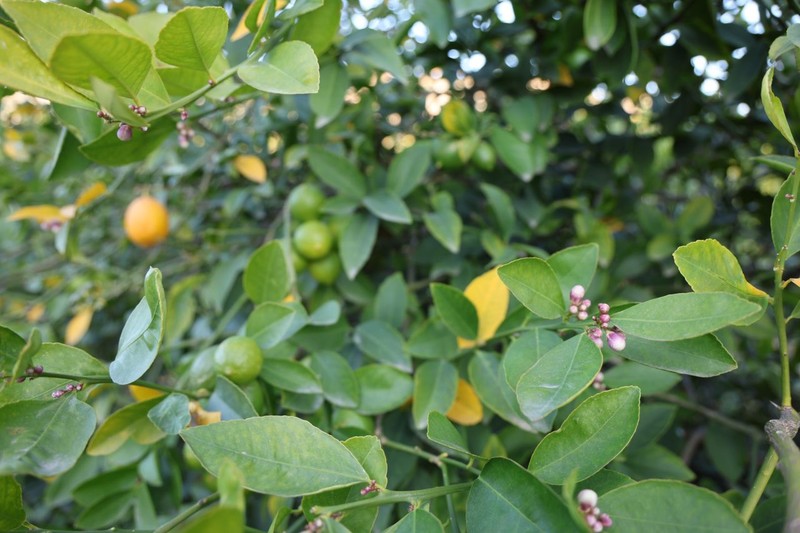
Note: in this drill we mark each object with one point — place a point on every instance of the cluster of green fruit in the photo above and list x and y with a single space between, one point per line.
313 240
463 143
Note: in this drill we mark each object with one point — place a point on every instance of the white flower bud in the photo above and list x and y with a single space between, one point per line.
587 497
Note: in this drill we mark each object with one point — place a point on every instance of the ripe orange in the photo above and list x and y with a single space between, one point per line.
146 221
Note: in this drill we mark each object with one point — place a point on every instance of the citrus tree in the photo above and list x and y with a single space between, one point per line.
402 266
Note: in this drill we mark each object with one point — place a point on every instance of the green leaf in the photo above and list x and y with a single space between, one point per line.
525 159
339 382
181 307
502 208
193 37
289 68
435 14
408 169
769 516
356 243
488 378
11 345
116 59
683 316
653 461
391 300
171 415
435 385
57 358
229 485
388 206
599 22
445 226
266 276
26 354
290 375
652 505
432 340
604 481
707 266
373 48
701 356
782 163
655 419
20 69
13 514
525 351
785 217
279 455
338 172
43 438
217 518
382 342
142 334
319 27
383 388
417 521
129 422
558 377
108 511
465 7
774 109
533 282
328 102
574 266
442 431
505 497
456 310
326 314
109 150
60 20
272 323
650 380
590 438
230 401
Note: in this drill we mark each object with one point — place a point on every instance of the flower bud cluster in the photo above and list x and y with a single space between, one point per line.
587 502
138 109
185 132
69 388
578 306
372 487
599 382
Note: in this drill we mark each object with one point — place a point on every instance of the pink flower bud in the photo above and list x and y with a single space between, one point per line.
583 315
598 343
79 386
606 520
603 308
125 132
583 307
616 340
576 293
591 520
605 319
587 496
573 309
141 110
597 528
184 114
38 369
595 333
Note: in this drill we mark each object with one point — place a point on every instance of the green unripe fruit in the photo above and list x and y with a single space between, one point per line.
447 154
298 262
239 359
253 392
484 156
326 270
313 239
305 202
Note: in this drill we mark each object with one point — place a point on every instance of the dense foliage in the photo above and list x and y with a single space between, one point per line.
353 266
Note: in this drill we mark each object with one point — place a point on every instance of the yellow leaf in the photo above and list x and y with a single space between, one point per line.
490 297
78 326
35 312
251 167
90 193
39 213
466 409
141 394
201 417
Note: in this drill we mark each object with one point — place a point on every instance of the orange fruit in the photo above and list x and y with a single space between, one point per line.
146 221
